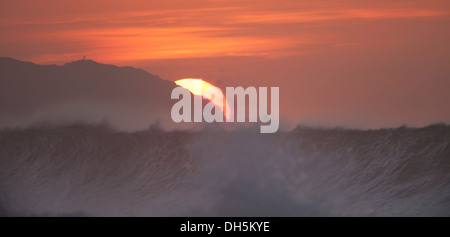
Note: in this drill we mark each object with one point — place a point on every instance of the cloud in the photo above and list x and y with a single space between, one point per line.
216 29
332 15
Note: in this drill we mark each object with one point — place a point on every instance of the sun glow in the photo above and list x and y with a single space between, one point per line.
198 87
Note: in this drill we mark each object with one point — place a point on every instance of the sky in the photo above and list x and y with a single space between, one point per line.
362 64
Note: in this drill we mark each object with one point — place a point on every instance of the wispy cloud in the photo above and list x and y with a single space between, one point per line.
128 43
332 15
183 33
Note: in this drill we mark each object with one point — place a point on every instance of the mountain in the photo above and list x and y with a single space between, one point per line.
82 90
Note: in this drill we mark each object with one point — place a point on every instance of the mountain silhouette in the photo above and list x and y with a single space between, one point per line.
81 90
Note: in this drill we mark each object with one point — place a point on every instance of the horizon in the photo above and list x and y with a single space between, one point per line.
289 126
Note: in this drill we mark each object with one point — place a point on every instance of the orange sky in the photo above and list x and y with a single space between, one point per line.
353 63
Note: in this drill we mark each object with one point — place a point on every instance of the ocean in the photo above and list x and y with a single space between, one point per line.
96 170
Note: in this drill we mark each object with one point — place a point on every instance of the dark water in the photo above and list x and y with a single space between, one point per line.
94 170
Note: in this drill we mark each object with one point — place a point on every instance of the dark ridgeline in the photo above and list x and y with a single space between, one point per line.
84 86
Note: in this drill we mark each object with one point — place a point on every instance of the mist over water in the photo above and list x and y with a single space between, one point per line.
95 170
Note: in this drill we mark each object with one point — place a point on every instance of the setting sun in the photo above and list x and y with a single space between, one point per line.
199 87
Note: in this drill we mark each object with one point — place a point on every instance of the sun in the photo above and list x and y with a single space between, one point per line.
198 87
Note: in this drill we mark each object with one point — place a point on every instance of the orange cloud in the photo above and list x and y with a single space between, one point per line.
218 29
123 44
329 15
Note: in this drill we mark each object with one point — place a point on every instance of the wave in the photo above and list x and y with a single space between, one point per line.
95 170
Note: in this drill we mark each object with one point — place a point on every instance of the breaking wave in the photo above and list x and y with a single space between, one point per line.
95 170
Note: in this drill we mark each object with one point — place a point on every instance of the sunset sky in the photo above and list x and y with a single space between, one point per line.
364 64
